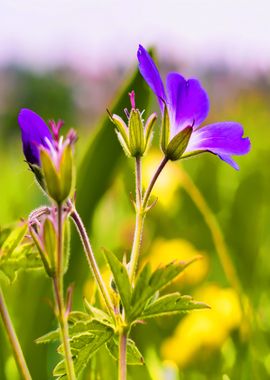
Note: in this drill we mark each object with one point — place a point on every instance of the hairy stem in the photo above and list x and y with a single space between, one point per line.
58 287
135 251
141 210
17 351
92 261
122 367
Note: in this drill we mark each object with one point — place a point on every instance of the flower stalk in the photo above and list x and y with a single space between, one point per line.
91 259
62 313
17 351
122 367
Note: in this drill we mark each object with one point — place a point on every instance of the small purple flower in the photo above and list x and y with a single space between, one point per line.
187 104
35 133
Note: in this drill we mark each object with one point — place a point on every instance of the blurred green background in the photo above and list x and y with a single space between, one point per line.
198 199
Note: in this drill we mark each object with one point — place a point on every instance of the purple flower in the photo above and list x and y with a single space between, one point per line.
187 105
35 133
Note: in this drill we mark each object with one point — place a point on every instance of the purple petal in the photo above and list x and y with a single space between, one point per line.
224 139
149 71
34 132
229 161
188 102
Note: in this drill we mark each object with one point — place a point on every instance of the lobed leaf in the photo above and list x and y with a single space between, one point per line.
147 285
121 279
171 304
13 239
96 313
79 323
134 357
24 256
83 347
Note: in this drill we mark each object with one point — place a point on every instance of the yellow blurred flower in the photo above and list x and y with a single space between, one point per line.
90 287
166 251
206 329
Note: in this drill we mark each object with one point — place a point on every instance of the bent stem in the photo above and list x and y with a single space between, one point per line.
91 260
62 314
122 367
17 351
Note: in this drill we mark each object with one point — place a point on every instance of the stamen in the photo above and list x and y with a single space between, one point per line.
132 99
126 113
55 128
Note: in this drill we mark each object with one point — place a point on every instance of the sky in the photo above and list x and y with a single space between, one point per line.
93 34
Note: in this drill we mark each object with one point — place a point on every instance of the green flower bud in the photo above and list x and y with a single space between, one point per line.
58 176
135 137
136 134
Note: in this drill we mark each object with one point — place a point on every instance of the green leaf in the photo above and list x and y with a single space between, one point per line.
49 337
121 279
147 285
78 323
25 256
97 313
171 304
4 232
83 346
141 283
134 357
13 240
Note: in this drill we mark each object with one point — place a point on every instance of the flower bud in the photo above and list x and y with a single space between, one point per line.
58 175
136 134
135 137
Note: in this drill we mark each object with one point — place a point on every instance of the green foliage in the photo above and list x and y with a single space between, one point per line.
121 279
79 322
87 335
13 239
148 284
171 304
16 255
83 347
134 357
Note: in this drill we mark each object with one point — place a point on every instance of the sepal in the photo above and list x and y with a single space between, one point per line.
165 130
178 144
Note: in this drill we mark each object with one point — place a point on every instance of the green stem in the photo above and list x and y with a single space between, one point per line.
17 351
92 261
122 366
141 210
140 214
58 287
